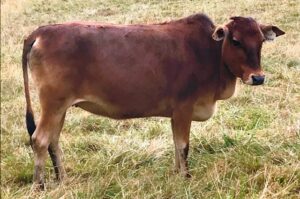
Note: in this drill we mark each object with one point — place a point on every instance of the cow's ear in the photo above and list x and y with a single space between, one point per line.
270 32
220 33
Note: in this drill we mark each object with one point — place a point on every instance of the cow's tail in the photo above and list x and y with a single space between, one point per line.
29 113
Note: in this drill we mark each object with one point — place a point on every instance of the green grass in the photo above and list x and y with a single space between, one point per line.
249 149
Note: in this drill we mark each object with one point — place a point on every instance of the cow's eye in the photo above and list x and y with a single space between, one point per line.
236 42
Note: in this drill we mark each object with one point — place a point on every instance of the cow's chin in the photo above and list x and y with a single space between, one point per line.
248 81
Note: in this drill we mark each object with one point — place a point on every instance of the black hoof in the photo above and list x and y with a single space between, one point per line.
188 176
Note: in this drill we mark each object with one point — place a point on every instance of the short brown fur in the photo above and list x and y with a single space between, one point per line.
175 69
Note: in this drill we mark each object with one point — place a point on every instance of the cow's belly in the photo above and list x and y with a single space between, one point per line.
105 108
98 108
203 112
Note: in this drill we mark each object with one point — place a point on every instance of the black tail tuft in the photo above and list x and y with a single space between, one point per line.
30 123
29 113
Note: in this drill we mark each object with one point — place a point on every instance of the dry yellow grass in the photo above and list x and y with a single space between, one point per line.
249 149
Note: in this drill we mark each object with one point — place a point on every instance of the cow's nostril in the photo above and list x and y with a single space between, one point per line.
258 79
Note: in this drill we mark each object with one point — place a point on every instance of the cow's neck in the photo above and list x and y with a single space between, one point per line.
226 83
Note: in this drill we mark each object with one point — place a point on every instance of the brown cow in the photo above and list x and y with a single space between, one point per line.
177 69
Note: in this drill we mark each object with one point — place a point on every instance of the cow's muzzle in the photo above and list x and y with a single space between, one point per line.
257 79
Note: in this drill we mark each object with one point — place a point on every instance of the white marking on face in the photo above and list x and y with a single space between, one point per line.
249 81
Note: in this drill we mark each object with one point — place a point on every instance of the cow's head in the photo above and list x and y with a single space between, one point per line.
243 39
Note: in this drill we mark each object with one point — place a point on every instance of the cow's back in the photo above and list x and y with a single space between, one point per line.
134 69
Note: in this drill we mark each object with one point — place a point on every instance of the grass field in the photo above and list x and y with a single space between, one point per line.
249 149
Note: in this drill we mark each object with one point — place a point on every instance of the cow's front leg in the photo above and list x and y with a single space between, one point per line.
181 123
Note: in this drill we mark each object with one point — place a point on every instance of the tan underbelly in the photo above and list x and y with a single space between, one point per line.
201 112
96 108
107 109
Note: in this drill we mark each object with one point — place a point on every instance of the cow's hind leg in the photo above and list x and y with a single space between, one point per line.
55 153
181 123
46 137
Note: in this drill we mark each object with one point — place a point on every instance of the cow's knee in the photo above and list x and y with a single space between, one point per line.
39 142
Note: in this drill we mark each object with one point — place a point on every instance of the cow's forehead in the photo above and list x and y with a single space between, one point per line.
243 21
244 27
